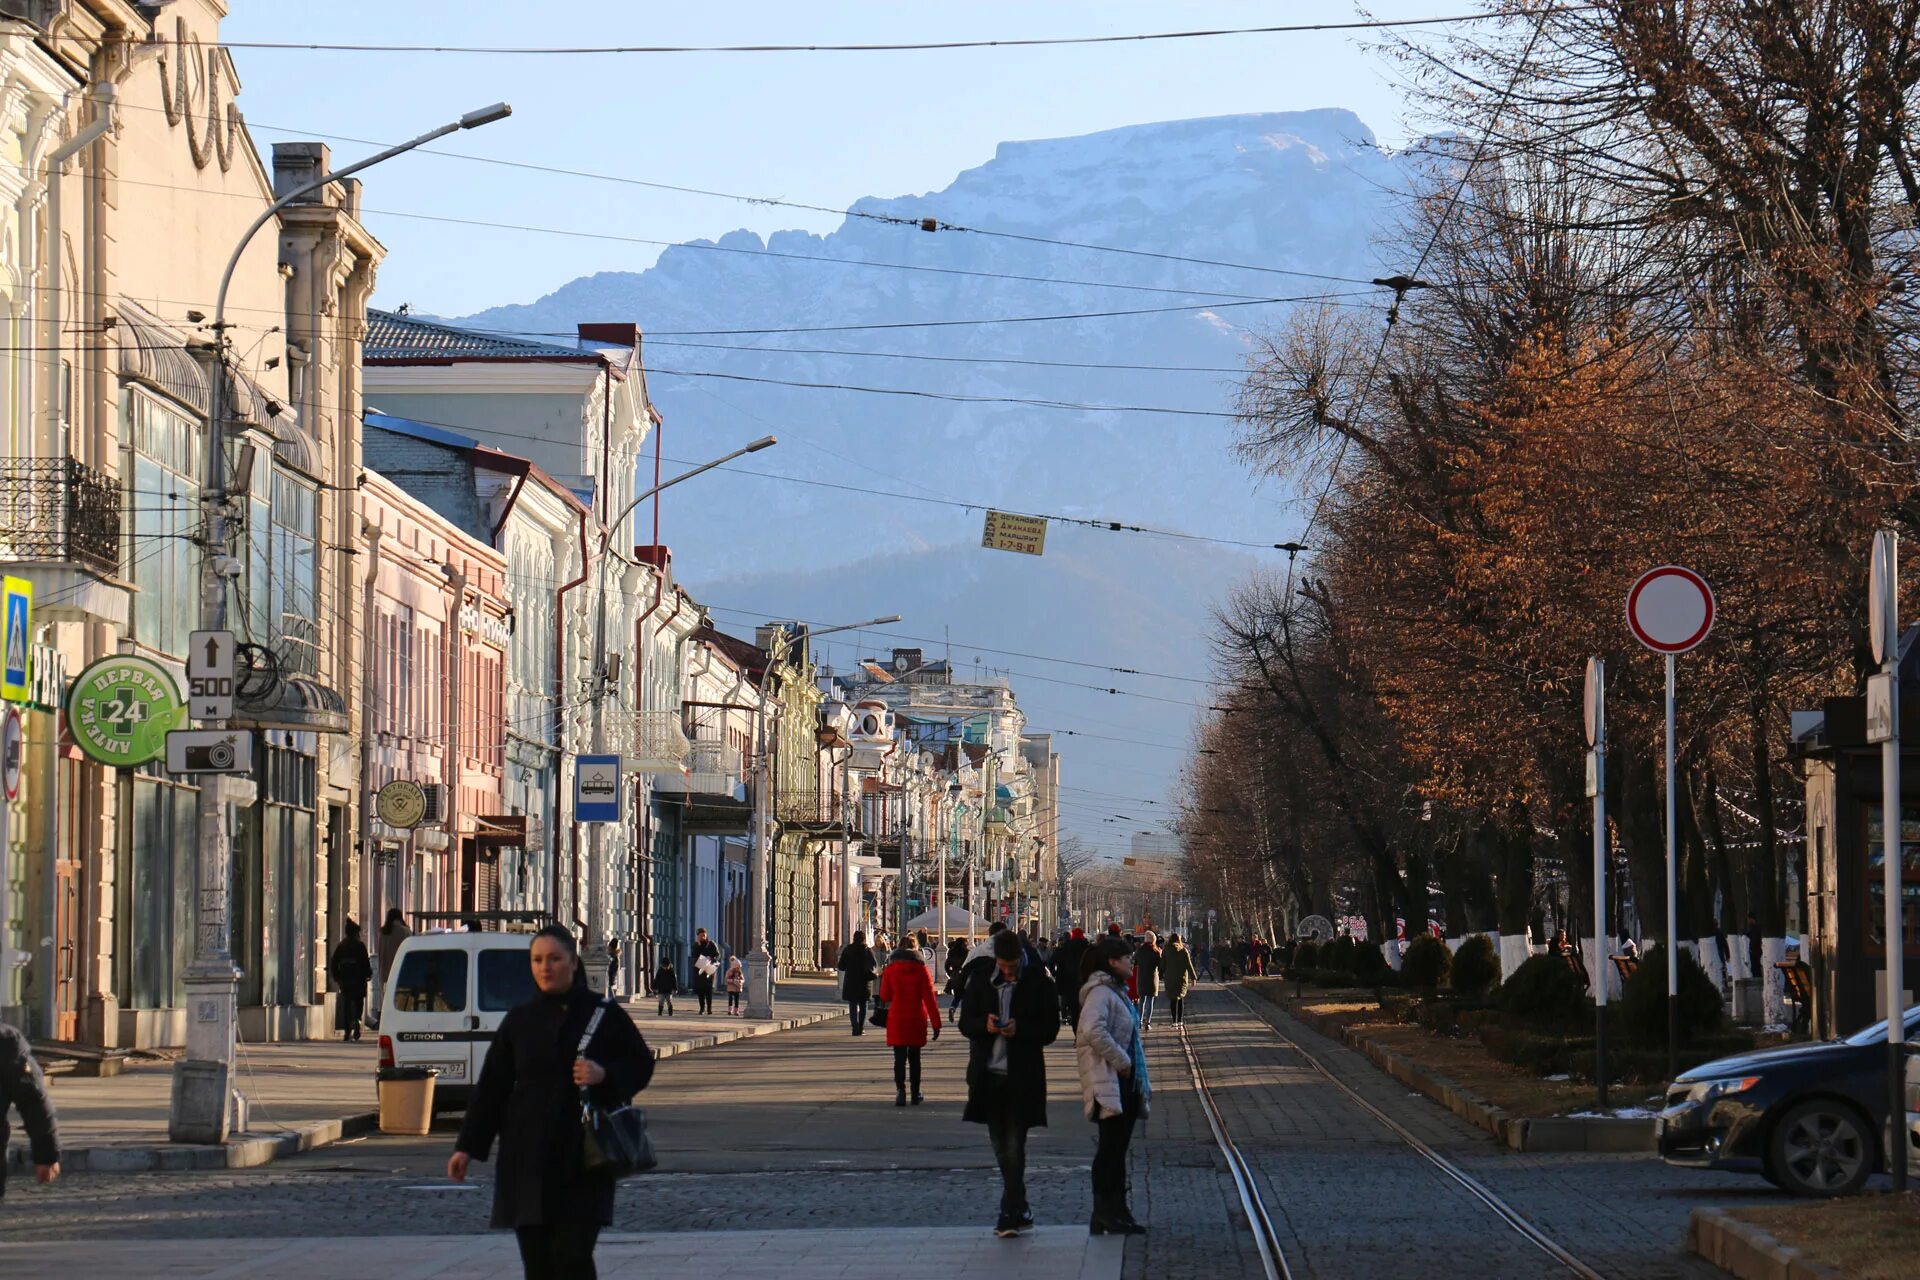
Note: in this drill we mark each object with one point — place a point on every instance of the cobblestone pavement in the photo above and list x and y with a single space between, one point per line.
799 1132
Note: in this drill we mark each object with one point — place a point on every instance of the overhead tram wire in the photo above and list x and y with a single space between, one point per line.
911 222
1237 371
982 648
1225 297
916 46
1412 280
944 395
1111 526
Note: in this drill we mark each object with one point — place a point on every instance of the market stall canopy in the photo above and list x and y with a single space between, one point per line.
959 920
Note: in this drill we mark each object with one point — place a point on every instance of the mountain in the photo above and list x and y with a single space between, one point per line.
1296 192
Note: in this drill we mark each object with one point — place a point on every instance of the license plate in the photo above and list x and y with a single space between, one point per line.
1659 1126
450 1071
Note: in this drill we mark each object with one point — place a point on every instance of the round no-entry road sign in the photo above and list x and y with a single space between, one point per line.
1670 609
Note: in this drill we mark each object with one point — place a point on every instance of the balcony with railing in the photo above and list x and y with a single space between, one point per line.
713 769
652 742
60 526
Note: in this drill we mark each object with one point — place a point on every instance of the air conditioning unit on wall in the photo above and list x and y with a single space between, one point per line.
436 794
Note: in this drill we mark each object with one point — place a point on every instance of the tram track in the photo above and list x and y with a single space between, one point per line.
1271 1241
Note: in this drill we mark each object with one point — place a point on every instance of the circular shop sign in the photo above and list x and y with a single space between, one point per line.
121 709
401 804
1670 609
13 752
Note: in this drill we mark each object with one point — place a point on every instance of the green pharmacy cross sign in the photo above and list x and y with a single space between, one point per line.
121 708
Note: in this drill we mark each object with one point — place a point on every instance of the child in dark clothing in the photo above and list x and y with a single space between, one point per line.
665 983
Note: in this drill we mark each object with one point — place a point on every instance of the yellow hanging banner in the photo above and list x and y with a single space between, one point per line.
1024 534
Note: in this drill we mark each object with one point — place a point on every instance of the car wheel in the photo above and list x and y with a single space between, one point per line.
1821 1148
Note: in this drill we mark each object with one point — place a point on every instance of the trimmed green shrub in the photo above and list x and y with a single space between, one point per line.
1543 991
1642 1013
1476 966
1426 963
1368 964
1542 1053
1338 954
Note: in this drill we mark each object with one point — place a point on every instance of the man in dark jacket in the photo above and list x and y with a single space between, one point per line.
1066 974
856 979
23 1087
1009 1015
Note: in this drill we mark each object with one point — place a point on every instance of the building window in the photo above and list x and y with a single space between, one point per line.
286 825
155 887
296 575
163 502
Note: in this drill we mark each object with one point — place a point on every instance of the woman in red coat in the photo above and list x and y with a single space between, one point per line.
911 1009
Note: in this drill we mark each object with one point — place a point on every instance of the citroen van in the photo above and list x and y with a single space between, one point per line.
445 999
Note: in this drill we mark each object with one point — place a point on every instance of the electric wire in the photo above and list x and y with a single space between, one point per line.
918 46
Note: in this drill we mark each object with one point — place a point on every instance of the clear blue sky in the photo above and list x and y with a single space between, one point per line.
825 128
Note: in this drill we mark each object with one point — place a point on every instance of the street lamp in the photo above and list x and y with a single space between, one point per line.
596 955
953 850
201 1109
760 962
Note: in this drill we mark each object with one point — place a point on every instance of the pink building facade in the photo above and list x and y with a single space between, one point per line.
438 633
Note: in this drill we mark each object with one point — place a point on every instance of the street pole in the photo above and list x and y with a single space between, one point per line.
200 1110
760 962
1673 901
1886 625
595 957
1597 738
843 927
953 851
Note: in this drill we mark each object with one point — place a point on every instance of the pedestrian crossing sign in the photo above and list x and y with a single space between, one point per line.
16 646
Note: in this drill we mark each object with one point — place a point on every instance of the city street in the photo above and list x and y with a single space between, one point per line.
772 1148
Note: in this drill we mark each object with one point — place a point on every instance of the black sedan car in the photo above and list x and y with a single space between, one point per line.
1807 1117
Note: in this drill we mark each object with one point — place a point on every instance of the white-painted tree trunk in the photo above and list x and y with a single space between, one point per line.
1599 956
1514 952
1708 956
1773 951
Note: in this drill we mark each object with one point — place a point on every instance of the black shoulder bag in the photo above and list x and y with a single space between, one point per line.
613 1141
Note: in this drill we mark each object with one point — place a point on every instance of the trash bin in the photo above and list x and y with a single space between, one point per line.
406 1099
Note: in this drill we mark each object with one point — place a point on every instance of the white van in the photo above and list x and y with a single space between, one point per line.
444 1001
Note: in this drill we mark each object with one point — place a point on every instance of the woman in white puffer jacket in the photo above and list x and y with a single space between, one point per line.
1113 1083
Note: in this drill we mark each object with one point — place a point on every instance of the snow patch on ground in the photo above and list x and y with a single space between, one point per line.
1617 1113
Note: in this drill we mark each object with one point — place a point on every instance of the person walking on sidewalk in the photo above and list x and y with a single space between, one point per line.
906 988
1009 1014
1113 1079
24 1089
564 1042
351 969
613 966
1177 975
956 983
736 983
1146 975
1066 974
392 934
856 979
706 967
665 983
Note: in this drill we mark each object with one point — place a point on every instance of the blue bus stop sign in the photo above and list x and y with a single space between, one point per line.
596 789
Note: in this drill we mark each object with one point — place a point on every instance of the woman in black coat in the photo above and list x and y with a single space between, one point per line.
351 968
529 1097
857 968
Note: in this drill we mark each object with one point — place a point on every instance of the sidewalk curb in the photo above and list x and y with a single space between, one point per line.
254 1150
1516 1133
1744 1250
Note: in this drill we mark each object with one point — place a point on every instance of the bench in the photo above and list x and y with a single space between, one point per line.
1627 966
1799 983
1578 965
